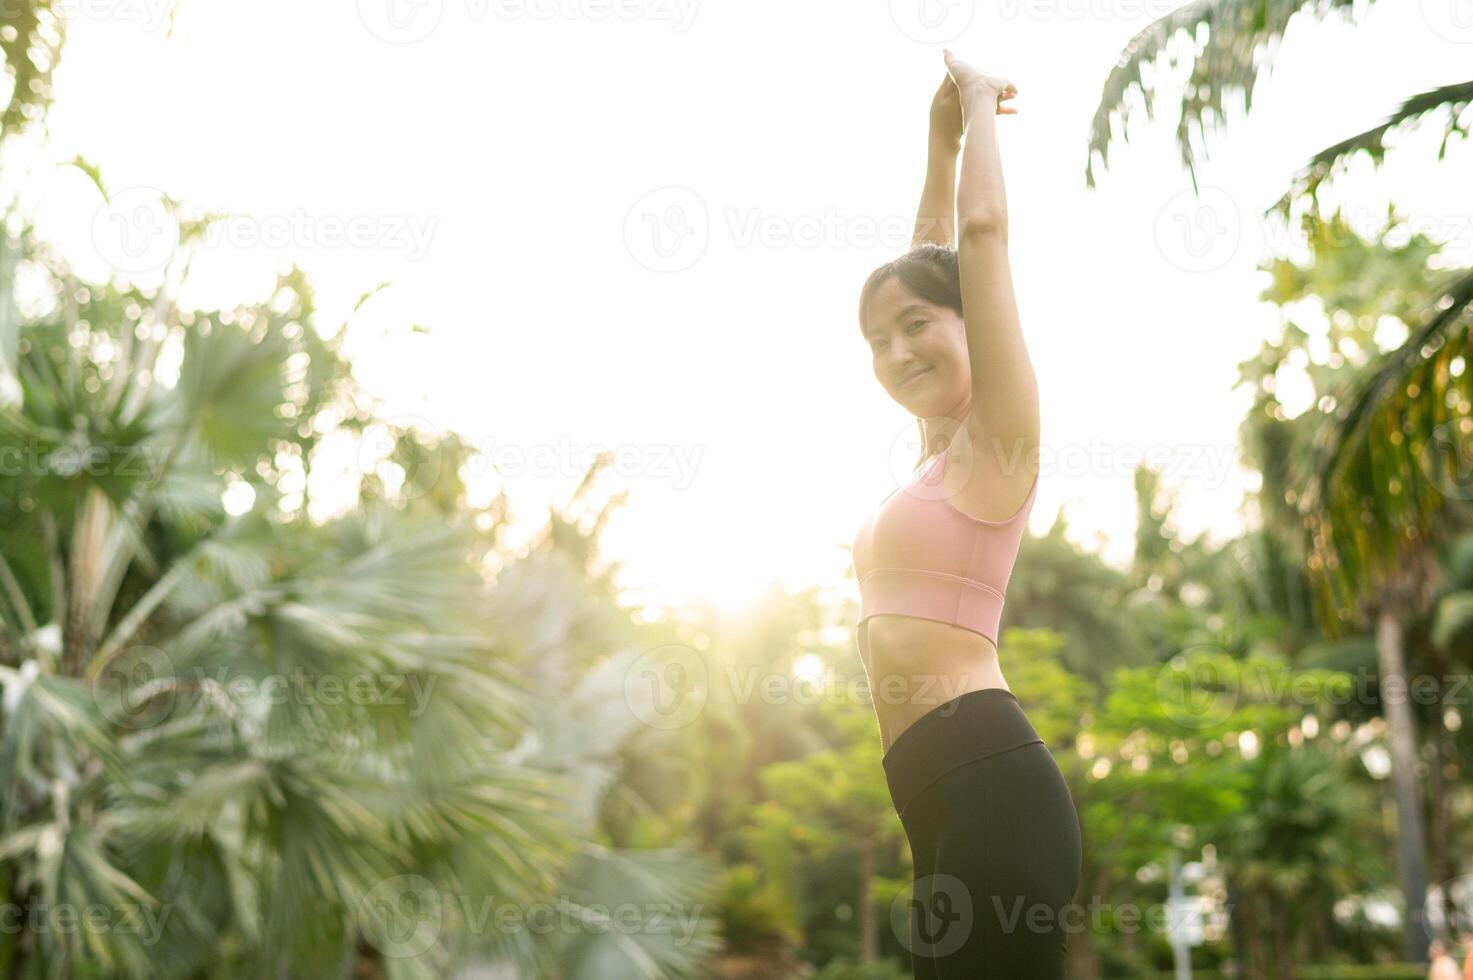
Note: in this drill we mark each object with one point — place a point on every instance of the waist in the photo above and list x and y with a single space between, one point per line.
972 726
904 642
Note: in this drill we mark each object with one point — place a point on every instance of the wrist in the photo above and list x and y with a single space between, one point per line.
979 94
943 144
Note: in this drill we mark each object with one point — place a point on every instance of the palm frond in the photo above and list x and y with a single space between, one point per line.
1390 473
1455 98
1231 41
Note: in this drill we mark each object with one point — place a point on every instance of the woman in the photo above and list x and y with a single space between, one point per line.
995 840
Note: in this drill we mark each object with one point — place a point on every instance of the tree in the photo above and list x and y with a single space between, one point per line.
838 799
1396 422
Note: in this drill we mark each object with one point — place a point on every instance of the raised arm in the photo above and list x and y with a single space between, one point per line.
936 217
1004 388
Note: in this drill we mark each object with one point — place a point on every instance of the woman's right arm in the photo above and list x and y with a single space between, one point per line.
936 217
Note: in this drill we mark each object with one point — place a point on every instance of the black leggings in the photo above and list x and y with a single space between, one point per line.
995 841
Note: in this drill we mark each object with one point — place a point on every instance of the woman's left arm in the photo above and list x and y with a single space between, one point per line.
1004 387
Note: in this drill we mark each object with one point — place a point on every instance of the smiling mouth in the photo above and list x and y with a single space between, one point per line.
912 377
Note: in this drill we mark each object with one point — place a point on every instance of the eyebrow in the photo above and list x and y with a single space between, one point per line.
904 312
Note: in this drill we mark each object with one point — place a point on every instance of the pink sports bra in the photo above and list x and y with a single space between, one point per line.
917 555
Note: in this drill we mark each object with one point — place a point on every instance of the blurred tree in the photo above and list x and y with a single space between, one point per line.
1227 44
1400 442
838 798
171 736
297 744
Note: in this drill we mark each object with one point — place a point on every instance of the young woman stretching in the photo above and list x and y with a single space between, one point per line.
991 824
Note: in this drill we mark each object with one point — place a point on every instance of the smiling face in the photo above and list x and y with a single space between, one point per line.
919 350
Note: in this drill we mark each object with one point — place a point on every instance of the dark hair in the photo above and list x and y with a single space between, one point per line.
930 272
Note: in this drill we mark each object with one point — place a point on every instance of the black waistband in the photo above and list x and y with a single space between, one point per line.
969 727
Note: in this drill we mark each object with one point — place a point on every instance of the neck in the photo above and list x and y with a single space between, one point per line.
939 429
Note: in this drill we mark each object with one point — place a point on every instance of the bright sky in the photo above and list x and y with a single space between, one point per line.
643 225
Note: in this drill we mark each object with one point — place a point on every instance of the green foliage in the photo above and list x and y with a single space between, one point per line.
286 742
31 36
880 970
753 915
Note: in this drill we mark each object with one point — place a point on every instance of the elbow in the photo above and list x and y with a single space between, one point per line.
982 226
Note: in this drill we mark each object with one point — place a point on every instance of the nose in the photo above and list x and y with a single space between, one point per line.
901 361
898 353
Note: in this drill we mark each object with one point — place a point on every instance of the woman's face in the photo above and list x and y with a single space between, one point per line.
919 350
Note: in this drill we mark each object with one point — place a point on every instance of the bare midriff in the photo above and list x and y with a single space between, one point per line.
915 665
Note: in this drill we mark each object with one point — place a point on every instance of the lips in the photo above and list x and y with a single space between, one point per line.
911 377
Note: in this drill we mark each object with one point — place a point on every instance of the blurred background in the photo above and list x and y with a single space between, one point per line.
432 433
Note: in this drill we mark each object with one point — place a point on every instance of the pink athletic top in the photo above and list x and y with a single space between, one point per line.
917 555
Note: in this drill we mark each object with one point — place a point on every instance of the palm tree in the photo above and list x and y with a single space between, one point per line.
1397 446
31 37
245 728
588 725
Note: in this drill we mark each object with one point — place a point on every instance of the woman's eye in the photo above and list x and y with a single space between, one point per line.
918 323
